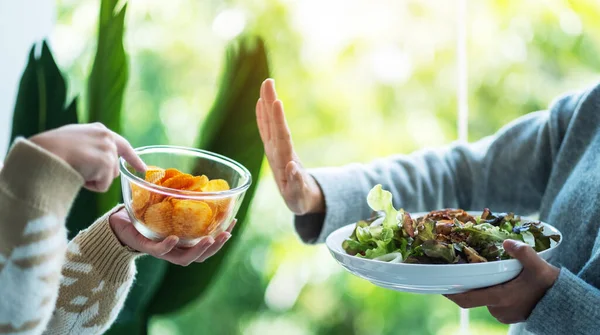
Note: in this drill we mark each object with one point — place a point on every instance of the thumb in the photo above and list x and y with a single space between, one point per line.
524 254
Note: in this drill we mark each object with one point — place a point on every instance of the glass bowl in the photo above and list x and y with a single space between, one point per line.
158 211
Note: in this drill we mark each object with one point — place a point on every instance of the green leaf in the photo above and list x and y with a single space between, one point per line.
55 89
363 235
231 130
528 238
381 249
425 231
381 200
26 118
40 104
437 249
483 234
106 86
107 82
353 247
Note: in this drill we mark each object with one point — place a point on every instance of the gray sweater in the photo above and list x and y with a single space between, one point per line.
545 163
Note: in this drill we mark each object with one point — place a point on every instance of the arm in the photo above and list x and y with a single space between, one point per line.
464 175
37 187
470 176
36 192
97 275
100 269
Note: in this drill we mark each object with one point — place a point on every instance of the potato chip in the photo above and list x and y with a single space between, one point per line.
199 182
170 173
216 185
219 205
140 198
179 182
191 218
159 217
221 210
154 174
156 197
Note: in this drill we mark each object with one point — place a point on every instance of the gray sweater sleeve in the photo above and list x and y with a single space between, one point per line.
570 306
506 172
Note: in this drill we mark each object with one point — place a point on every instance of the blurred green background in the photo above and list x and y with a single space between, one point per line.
360 79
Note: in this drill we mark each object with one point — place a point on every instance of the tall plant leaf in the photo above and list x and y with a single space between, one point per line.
106 87
26 117
40 104
108 80
231 130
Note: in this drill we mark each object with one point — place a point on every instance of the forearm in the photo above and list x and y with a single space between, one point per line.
506 172
96 279
36 192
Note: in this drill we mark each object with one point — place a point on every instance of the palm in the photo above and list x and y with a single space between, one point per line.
295 185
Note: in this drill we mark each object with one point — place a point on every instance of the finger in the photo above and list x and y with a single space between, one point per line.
132 238
502 314
101 183
158 249
125 150
268 90
283 150
491 296
269 96
114 162
230 228
262 90
525 254
116 170
262 122
91 186
185 257
128 235
282 131
219 242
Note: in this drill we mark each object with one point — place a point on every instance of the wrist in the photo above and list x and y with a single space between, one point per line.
551 276
42 142
112 223
317 198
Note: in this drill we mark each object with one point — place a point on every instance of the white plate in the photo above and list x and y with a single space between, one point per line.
429 278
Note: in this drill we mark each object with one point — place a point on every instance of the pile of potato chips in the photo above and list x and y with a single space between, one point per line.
170 215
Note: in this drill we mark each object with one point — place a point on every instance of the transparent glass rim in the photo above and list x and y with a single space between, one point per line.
244 173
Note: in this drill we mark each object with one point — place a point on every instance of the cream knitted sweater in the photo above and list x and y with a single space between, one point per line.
47 284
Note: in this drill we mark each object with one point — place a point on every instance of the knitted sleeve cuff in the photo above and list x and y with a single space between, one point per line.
569 306
39 178
102 250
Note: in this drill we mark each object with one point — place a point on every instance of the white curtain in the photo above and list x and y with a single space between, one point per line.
22 23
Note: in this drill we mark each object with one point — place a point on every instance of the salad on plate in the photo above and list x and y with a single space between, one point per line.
447 236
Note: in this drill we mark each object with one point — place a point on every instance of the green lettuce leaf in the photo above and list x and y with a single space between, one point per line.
528 238
483 234
425 231
437 249
381 200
